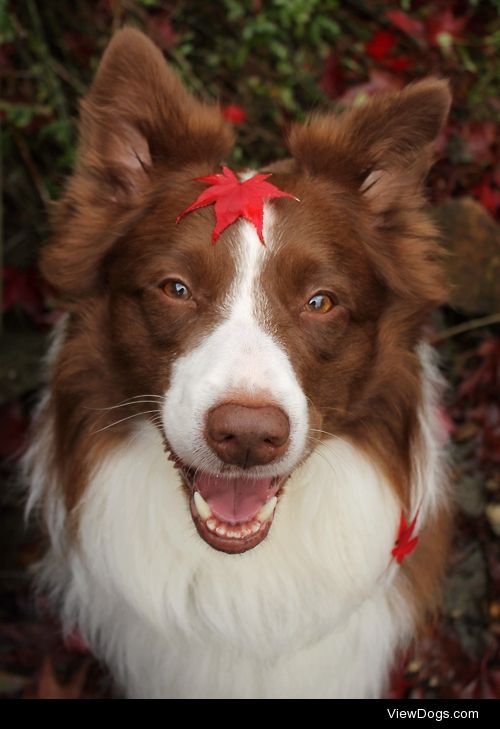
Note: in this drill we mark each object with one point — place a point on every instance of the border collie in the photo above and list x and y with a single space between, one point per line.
238 456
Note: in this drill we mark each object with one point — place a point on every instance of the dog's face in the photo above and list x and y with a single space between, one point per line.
250 353
256 348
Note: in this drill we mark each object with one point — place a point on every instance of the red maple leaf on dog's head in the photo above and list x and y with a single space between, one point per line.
234 199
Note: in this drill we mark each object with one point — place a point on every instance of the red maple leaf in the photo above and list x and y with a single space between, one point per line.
444 28
234 114
234 199
381 44
405 541
488 192
404 22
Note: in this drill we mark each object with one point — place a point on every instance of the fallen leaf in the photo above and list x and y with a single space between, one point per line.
380 45
404 22
48 685
234 114
444 28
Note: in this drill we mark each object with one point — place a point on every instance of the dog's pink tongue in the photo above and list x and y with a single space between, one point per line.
234 499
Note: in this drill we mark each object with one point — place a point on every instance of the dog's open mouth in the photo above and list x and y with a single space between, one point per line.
231 513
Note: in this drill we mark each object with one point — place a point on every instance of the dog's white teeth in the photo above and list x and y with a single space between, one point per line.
233 531
267 510
202 507
212 525
255 526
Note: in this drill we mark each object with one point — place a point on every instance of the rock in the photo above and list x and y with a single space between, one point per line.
472 238
470 495
493 516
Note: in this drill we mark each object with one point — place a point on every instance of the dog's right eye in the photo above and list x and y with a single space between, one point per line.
175 289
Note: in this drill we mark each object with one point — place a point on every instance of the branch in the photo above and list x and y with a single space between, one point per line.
467 326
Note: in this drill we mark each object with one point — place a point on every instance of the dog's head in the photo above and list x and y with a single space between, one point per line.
247 354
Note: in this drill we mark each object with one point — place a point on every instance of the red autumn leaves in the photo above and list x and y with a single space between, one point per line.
380 48
439 30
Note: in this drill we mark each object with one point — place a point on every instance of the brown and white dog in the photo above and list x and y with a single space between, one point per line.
288 382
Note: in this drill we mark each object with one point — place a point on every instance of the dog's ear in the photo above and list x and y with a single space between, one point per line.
382 151
382 147
136 123
138 114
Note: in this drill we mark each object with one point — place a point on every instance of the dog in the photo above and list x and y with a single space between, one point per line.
238 458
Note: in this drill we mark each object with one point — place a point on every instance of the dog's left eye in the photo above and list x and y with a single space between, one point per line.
176 289
320 303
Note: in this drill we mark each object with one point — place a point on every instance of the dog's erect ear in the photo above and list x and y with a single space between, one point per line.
137 123
381 147
382 151
138 113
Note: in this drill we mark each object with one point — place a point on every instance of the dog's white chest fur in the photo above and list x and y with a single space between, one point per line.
306 613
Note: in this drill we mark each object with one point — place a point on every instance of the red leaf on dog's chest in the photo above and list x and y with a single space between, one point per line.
405 541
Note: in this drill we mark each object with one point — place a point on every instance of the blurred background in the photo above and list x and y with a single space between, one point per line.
267 62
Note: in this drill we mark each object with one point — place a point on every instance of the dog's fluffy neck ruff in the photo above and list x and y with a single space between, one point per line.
135 585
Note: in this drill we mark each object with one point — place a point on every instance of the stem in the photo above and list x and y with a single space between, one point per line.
467 326
35 175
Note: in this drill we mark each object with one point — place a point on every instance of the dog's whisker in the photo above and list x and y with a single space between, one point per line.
325 459
326 432
125 404
338 458
332 408
117 422
323 443
130 401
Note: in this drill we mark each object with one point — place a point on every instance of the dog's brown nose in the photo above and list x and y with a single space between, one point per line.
248 436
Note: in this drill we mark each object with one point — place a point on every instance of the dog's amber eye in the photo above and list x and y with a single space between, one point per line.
176 289
320 303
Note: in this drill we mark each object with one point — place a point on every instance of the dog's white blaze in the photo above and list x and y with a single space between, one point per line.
239 356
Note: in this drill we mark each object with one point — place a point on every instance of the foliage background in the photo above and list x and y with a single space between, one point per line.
268 63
